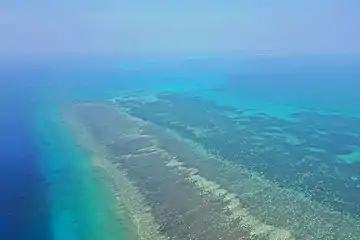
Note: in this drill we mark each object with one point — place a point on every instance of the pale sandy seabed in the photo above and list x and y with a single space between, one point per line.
168 187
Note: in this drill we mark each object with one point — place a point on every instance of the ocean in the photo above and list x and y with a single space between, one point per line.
308 110
24 212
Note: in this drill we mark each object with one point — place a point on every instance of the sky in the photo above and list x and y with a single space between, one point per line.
87 27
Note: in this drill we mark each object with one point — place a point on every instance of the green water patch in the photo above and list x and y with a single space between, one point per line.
351 157
82 205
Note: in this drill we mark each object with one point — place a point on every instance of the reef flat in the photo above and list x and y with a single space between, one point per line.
173 187
314 153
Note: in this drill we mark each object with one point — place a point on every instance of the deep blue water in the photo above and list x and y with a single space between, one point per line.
23 204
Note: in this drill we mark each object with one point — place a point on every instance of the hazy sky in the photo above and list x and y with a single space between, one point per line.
43 27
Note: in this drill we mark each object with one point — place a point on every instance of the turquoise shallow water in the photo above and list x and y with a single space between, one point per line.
82 206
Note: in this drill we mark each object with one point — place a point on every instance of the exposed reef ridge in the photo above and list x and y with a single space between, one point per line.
173 188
